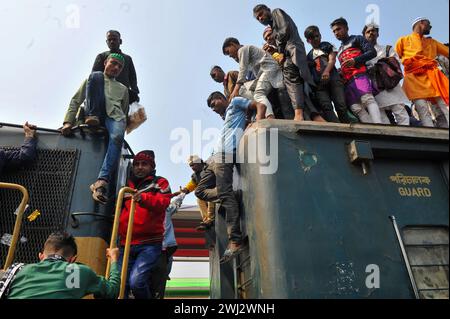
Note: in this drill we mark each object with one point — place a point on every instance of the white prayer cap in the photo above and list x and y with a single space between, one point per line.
194 159
417 20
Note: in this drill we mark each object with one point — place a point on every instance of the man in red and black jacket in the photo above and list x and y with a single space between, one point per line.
353 54
152 200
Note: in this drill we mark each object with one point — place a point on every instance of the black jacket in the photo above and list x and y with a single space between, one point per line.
12 159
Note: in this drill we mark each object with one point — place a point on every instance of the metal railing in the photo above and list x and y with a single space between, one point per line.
18 224
114 235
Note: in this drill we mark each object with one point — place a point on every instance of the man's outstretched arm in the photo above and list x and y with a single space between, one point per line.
27 151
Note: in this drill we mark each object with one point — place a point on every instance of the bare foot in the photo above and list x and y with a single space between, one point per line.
299 115
319 118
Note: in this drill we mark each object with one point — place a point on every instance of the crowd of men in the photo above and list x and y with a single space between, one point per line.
279 80
367 89
362 90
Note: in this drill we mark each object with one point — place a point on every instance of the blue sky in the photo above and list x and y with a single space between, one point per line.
48 48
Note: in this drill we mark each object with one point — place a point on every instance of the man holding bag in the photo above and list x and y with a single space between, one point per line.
395 99
106 103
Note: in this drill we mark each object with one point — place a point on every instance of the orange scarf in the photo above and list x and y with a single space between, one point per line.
424 65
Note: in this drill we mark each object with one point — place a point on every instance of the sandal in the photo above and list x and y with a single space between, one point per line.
230 253
98 190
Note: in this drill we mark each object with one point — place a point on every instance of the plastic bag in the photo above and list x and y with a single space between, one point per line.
136 116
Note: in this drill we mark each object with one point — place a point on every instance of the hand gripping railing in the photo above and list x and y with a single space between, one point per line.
126 253
18 224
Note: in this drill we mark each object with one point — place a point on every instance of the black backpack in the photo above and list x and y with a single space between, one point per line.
386 73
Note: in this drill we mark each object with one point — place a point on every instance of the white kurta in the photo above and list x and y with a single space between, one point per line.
396 95
264 67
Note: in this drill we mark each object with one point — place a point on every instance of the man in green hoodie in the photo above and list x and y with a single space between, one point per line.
57 276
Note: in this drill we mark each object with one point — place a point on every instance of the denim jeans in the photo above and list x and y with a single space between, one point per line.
95 106
95 96
140 264
161 271
116 132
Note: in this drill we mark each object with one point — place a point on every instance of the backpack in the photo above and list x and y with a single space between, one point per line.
387 72
7 279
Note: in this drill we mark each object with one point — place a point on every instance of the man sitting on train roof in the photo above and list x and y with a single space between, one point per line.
57 276
27 152
152 200
106 104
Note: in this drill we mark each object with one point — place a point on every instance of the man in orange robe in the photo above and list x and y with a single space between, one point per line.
423 80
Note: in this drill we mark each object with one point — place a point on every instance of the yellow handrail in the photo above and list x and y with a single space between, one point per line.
114 235
18 224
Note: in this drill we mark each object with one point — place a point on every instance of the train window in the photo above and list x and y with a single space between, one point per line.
427 250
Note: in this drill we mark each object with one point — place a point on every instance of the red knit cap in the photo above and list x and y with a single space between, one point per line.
146 156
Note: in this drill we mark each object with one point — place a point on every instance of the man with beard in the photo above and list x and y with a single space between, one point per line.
393 100
424 82
152 199
128 75
297 77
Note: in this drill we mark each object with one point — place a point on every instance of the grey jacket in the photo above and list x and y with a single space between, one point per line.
289 43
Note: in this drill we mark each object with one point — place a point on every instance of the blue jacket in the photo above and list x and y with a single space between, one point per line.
14 159
169 233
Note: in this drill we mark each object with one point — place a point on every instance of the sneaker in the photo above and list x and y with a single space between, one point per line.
232 251
352 118
98 190
92 121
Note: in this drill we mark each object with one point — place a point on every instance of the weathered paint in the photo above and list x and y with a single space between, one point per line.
316 224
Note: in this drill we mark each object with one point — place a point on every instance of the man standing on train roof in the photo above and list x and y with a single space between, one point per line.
297 78
353 54
424 82
128 75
